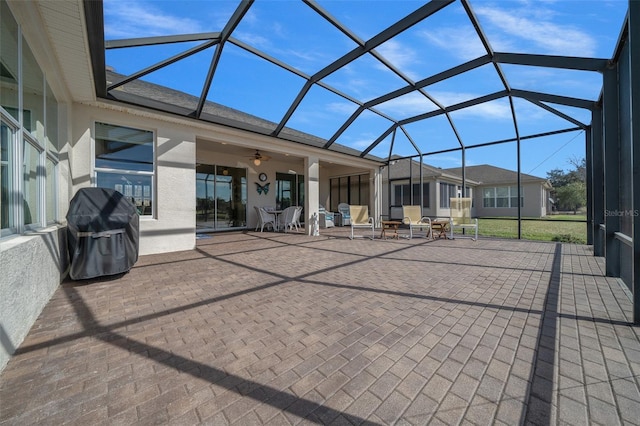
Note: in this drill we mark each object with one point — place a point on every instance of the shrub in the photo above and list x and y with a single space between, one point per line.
567 238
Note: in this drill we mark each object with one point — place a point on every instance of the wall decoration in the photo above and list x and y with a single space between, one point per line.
262 188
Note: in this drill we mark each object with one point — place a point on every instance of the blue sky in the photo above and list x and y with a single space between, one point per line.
293 33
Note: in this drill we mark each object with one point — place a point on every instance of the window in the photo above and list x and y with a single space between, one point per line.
402 196
51 201
489 197
31 189
124 161
502 197
349 189
289 190
6 178
447 191
28 135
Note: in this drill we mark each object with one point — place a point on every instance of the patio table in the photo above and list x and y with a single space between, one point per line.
276 213
390 225
441 226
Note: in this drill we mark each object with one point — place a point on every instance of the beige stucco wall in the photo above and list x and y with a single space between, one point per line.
31 268
33 264
172 228
533 203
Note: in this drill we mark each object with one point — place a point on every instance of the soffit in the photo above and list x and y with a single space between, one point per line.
64 23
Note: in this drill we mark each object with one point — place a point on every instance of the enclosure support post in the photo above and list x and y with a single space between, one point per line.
597 181
634 60
611 176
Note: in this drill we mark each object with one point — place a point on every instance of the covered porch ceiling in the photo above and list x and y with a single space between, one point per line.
404 84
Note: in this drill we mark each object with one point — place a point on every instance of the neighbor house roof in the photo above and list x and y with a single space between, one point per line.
491 175
405 168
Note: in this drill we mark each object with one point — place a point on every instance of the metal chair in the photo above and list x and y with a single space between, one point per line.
460 217
412 216
360 219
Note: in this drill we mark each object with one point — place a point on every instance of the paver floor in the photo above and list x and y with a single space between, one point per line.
265 328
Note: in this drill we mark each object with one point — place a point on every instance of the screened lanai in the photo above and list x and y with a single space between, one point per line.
448 83
251 327
402 78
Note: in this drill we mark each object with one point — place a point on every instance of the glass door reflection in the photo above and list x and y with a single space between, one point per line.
221 198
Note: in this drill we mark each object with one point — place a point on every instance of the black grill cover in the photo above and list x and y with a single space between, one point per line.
103 233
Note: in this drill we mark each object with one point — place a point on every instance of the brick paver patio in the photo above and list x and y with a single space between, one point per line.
264 328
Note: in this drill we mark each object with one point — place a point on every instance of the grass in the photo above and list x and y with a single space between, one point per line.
564 228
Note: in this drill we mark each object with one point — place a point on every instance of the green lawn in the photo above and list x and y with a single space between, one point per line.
565 228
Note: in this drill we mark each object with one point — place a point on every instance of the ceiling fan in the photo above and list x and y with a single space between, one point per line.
259 158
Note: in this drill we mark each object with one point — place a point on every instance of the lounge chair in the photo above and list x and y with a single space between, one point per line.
412 216
460 217
360 219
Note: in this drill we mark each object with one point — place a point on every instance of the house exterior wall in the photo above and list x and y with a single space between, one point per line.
433 210
33 264
204 155
535 202
32 267
172 227
536 197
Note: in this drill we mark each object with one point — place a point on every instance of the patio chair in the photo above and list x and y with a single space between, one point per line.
296 218
345 215
325 219
265 219
359 216
412 216
286 219
460 217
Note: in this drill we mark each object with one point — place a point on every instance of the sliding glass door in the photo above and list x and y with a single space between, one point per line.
289 190
221 198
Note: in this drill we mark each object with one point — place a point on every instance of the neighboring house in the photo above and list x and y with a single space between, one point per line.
402 182
496 192
493 189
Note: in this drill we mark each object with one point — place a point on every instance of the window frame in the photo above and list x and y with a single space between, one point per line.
510 196
40 133
407 189
350 189
13 213
129 172
452 192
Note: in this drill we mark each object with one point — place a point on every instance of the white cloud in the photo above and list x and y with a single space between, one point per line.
445 161
410 104
132 19
498 109
253 39
535 25
399 55
345 108
463 43
365 140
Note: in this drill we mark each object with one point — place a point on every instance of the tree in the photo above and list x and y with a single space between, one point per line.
572 196
569 188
